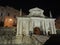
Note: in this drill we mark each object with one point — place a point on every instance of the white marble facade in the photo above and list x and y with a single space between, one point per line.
34 19
26 24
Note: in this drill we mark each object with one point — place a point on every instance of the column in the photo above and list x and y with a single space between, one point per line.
52 25
25 28
54 28
43 26
31 25
18 39
19 26
47 26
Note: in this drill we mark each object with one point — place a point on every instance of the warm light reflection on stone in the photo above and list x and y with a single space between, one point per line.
8 22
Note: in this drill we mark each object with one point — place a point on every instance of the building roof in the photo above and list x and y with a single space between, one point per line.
36 12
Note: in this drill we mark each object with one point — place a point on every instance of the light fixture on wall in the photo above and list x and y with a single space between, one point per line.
9 21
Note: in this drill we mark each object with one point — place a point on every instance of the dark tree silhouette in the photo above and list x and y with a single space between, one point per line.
53 40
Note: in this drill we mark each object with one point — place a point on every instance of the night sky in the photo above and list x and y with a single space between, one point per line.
25 5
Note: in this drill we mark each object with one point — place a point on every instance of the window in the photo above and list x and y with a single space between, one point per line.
14 16
8 14
1 14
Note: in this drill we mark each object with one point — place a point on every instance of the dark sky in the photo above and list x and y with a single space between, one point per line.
46 5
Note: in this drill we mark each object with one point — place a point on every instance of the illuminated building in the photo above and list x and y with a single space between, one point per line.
35 18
